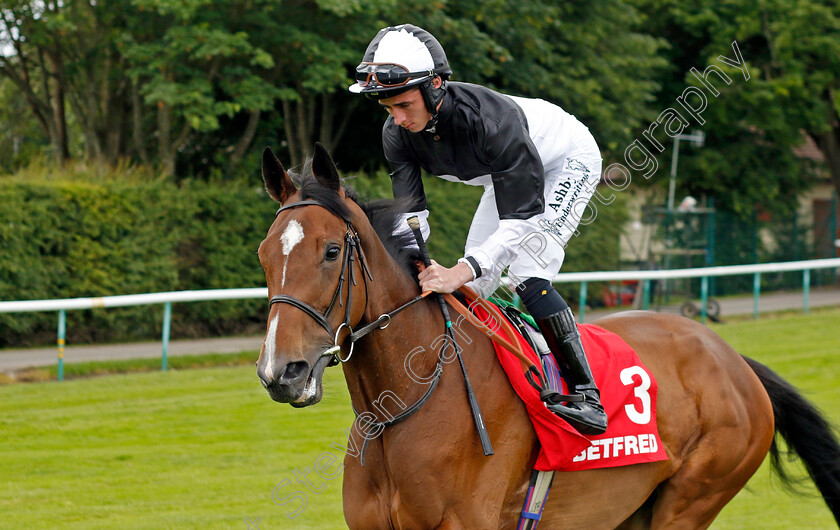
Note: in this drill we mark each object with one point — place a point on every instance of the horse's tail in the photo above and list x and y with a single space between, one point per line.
807 433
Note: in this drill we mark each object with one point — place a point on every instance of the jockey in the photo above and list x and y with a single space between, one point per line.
538 165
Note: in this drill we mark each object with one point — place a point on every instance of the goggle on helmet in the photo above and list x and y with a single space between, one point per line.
384 76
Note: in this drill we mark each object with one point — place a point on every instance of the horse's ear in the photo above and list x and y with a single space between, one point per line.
324 169
277 182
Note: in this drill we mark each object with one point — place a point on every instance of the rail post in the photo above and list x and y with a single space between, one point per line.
756 293
582 311
704 297
806 289
62 332
167 319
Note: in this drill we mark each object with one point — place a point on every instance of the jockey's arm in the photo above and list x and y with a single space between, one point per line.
518 181
406 184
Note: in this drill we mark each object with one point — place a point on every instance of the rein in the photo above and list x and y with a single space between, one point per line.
352 247
532 373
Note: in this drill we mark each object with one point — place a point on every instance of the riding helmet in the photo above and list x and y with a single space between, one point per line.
400 58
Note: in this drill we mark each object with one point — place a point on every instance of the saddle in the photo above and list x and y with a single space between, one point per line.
628 392
511 320
534 337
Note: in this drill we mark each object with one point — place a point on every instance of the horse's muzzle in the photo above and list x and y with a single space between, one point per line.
285 383
295 383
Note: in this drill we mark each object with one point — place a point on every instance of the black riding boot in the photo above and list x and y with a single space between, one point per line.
563 338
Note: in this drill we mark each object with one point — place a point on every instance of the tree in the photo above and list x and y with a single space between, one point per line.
166 80
192 65
787 89
316 44
588 57
32 60
800 62
20 139
185 63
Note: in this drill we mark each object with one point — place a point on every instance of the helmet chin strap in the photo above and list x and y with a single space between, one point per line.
432 97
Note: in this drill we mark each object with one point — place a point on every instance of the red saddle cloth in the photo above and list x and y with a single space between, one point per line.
628 393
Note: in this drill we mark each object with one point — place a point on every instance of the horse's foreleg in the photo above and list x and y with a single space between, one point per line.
364 501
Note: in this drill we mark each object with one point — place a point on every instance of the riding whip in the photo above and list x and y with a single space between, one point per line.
414 224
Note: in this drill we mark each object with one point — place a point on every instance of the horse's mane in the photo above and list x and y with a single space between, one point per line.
383 214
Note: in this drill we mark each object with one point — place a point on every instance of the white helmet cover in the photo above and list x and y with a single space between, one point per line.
407 46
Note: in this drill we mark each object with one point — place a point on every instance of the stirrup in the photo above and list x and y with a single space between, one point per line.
553 397
588 426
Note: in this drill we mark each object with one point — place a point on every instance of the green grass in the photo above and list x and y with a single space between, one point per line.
805 350
127 366
182 449
206 448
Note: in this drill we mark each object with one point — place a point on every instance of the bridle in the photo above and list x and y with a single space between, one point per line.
352 246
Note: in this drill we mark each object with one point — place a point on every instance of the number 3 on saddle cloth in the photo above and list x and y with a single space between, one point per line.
628 394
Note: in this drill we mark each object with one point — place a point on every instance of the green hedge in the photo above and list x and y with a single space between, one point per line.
80 237
66 239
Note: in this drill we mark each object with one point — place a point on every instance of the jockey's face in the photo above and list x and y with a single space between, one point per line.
408 109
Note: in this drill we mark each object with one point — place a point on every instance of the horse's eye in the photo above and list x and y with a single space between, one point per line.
332 253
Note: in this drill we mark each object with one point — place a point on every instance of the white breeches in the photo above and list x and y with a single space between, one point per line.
541 251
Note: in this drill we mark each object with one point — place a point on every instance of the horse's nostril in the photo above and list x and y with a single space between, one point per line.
294 372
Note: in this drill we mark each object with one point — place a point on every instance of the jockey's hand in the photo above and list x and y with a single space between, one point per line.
439 279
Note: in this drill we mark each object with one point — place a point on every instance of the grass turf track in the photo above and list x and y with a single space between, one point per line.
206 448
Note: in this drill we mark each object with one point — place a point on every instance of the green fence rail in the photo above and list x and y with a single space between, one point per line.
169 298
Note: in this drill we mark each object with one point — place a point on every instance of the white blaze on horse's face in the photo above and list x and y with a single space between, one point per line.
290 238
268 348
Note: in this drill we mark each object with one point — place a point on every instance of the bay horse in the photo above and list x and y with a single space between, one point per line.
336 275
